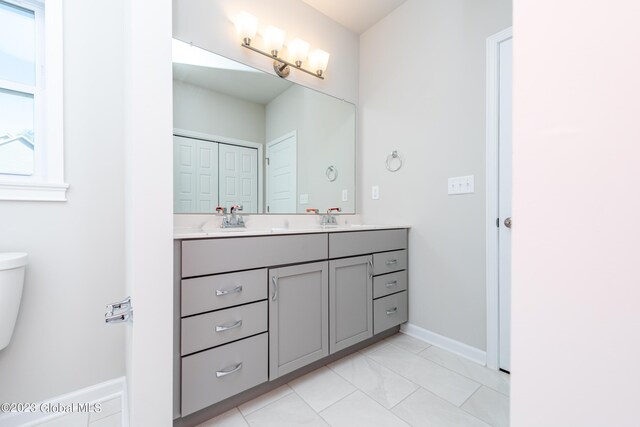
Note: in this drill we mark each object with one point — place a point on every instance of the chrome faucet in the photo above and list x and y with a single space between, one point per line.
329 218
233 220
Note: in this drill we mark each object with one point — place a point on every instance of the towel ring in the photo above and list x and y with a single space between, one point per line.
394 162
331 173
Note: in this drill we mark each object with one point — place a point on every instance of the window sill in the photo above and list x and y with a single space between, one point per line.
33 191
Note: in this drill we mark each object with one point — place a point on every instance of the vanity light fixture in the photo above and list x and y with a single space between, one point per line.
246 26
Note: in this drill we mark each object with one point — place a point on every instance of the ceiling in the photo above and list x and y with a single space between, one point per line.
251 86
356 15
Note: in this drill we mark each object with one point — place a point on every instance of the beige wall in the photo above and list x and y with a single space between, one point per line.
422 92
325 131
76 248
202 110
576 323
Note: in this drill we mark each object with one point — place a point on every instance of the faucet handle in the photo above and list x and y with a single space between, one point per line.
313 210
235 208
221 210
334 210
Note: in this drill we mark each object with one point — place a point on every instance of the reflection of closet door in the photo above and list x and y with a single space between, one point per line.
281 174
238 171
195 178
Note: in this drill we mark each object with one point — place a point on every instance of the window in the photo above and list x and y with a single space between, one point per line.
31 154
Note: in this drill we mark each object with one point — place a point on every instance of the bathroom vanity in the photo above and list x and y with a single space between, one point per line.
253 308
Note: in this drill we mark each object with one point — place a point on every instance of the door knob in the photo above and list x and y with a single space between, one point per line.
507 222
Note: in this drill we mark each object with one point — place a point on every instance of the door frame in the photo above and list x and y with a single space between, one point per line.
492 164
233 141
287 135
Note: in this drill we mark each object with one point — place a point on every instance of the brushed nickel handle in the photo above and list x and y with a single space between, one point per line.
392 311
221 328
507 222
370 268
274 280
224 373
391 261
236 290
391 284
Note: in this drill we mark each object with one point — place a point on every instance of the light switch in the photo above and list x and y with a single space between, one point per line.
375 192
345 195
461 185
304 199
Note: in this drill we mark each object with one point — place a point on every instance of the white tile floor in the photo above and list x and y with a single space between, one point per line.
400 381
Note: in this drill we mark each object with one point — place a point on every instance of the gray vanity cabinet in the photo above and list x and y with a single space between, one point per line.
298 316
350 301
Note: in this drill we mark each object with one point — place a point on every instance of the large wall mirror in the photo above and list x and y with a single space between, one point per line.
248 138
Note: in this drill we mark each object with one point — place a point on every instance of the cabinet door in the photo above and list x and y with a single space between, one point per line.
298 316
350 301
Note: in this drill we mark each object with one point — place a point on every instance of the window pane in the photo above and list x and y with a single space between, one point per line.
17 44
16 133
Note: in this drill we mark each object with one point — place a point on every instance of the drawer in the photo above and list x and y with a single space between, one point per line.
212 256
388 262
224 290
220 327
388 284
366 242
214 375
389 311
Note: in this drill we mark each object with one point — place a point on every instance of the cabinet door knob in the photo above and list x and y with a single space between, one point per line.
229 371
235 290
221 328
274 280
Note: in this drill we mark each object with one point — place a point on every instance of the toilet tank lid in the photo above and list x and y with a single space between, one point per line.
12 260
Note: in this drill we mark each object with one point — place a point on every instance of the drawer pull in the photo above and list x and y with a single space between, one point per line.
236 290
222 328
392 311
391 284
391 261
236 368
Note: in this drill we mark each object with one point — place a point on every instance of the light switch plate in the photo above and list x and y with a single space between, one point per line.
375 192
345 195
304 199
461 185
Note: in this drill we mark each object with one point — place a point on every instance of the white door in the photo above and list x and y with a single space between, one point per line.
281 174
195 182
504 204
238 172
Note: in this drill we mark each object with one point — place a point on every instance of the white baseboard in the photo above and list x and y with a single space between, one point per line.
446 343
98 393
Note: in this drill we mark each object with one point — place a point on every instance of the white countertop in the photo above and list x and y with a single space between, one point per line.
180 234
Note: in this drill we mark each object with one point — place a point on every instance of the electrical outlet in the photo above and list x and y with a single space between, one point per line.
345 195
375 192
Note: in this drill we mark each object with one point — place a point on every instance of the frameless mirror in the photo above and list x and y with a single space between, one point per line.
248 138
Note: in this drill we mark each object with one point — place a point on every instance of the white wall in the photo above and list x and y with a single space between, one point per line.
76 249
576 323
422 92
208 24
325 131
202 110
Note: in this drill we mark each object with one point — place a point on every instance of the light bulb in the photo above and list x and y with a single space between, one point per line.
246 26
273 39
318 61
298 51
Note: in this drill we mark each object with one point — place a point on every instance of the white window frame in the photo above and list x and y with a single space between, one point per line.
47 182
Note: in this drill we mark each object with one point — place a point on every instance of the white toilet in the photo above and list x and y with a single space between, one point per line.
12 267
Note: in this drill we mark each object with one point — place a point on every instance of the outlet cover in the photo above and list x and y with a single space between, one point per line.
375 192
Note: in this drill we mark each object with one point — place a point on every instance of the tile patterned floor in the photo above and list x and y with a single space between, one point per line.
400 381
